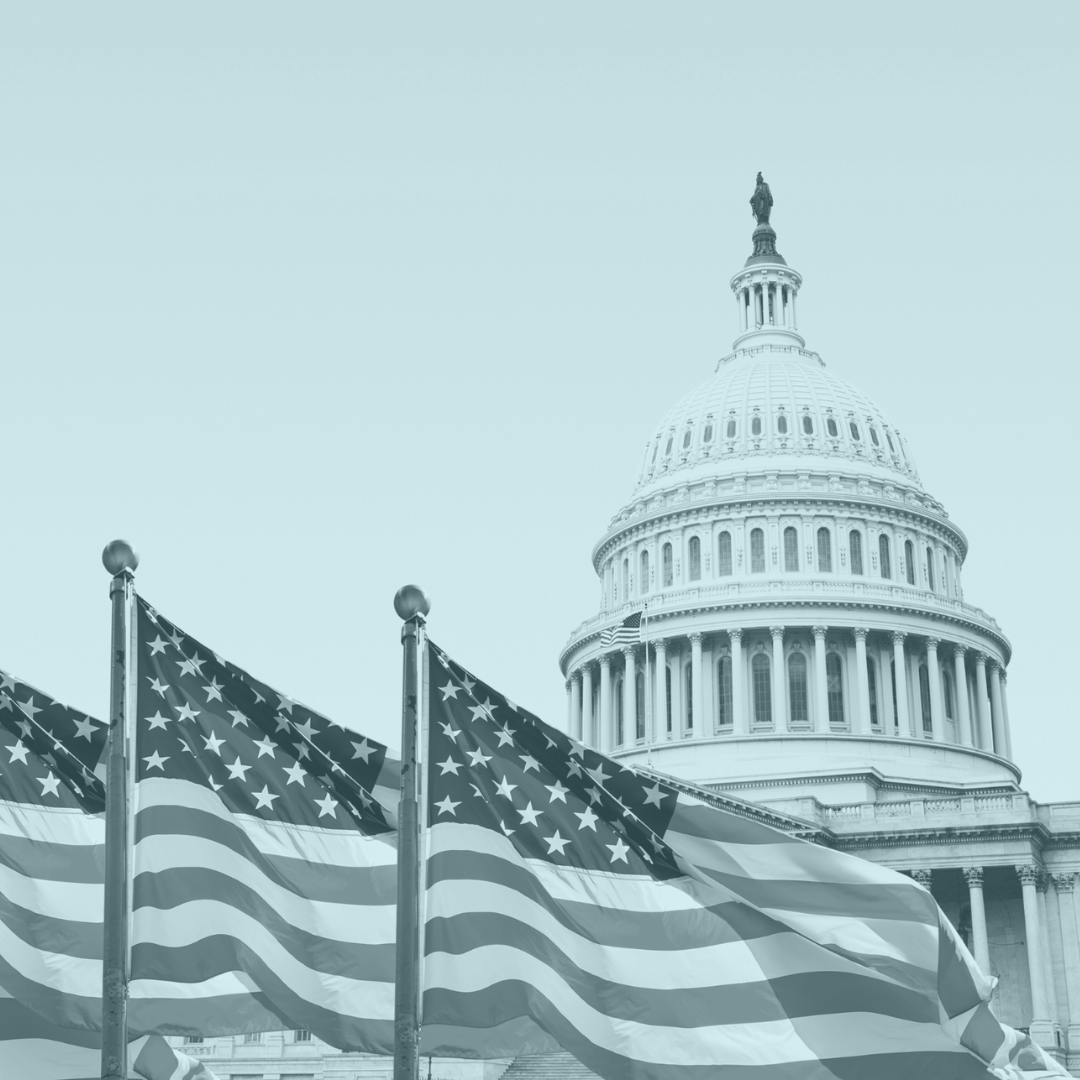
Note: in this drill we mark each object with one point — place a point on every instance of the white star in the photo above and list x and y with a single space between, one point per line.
447 806
157 721
478 757
191 666
594 796
286 703
577 748
598 774
449 730
5 702
264 798
265 746
186 712
185 748
157 645
554 842
212 743
28 707
156 761
505 787
237 771
49 784
7 682
307 729
654 795
588 819
529 815
504 734
575 768
295 775
85 729
557 791
24 727
176 638
468 683
618 850
238 718
283 723
213 691
448 766
530 762
477 793
17 751
450 690
364 750
326 806
302 751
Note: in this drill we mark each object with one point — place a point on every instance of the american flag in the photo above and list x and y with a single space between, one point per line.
626 633
264 876
573 902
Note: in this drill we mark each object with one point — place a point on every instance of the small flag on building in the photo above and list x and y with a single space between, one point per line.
628 632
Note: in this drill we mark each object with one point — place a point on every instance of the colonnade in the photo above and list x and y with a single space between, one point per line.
753 301
702 685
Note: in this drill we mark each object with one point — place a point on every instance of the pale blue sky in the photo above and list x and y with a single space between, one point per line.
311 300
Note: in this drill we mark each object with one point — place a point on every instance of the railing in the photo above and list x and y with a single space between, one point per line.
923 808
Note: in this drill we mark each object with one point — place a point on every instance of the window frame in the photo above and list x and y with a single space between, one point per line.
757 554
761 689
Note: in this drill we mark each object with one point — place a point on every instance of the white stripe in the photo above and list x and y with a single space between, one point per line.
72 975
51 824
48 1059
72 900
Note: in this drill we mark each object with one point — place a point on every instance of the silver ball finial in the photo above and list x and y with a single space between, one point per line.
411 600
119 556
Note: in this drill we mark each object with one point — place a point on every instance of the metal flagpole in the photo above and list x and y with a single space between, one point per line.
120 559
411 605
649 711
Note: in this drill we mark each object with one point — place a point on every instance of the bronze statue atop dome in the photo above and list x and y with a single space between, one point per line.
761 201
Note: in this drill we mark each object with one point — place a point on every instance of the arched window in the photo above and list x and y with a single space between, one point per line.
924 699
695 558
686 438
855 550
781 424
643 581
666 560
808 424
688 695
655 449
731 429
888 439
854 429
830 426
797 690
885 555
707 437
723 555
791 549
949 694
639 698
930 568
762 687
873 435
667 449
755 426
824 551
619 708
757 551
626 578
834 680
871 685
909 561
724 715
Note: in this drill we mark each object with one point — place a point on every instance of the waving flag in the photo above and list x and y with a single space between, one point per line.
574 902
628 632
263 860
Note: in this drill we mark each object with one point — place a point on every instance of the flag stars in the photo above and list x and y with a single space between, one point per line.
238 718
450 690
286 703
505 735
84 729
529 815
18 752
558 792
157 721
364 750
186 712
237 770
191 666
266 746
598 775
307 729
530 763
449 766
264 799
28 707
213 691
155 761
504 788
326 806
653 795
448 806
478 757
618 850
157 686
554 842
49 784
588 819
449 730
295 774
157 645
212 743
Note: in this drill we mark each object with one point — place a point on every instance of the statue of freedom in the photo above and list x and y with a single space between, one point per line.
761 201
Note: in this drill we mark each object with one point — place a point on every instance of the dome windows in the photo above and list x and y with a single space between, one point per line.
824 550
854 429
655 451
665 561
707 436
832 429
643 581
807 424
888 439
686 438
884 555
781 424
667 449
909 562
755 426
791 549
757 551
855 551
798 691
761 681
834 681
873 435
694 558
723 554
731 429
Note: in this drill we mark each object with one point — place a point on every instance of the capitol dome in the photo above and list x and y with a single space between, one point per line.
802 616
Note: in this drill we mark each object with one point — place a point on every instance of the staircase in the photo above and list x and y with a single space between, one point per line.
561 1066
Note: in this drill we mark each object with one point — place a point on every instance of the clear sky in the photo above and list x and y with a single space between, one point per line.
311 300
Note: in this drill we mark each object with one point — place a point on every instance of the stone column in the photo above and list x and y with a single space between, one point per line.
629 696
606 738
1070 948
575 704
861 726
821 684
1041 1028
740 715
982 704
888 719
587 734
1005 715
996 713
1056 952
923 877
963 717
937 711
660 712
697 686
903 719
779 695
1044 946
794 317
974 877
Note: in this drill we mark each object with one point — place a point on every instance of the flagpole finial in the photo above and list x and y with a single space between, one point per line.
119 556
409 601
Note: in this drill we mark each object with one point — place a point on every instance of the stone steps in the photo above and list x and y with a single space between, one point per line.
560 1066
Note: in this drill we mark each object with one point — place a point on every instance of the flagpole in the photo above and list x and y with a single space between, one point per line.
411 605
120 559
650 712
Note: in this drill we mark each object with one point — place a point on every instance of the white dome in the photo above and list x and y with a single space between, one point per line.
772 407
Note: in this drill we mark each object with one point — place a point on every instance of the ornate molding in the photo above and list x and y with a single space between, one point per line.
695 638
932 643
1028 873
819 631
605 660
777 632
736 634
974 876
859 633
1064 882
898 637
921 877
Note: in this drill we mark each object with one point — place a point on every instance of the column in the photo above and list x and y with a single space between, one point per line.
739 309
747 298
677 710
697 686
1070 948
861 726
660 712
1041 1030
914 697
1044 946
606 736
587 734
888 719
1005 714
821 683
569 708
629 697
741 717
982 704
903 718
780 305
1056 950
923 877
997 716
963 719
937 712
575 704
779 695
974 876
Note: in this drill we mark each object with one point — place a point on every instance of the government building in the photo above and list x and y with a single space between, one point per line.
806 656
